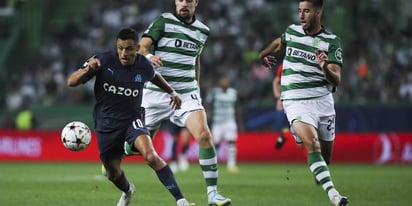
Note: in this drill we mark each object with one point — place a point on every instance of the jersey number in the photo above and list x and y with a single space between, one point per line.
137 124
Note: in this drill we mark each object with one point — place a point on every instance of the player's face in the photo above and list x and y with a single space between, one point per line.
126 50
309 16
185 9
224 82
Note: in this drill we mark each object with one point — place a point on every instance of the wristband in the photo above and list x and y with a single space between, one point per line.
173 94
148 56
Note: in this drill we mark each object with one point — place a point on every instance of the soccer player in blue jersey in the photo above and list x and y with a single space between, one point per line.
119 79
177 40
311 72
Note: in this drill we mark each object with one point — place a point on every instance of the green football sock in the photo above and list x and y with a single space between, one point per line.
320 169
208 164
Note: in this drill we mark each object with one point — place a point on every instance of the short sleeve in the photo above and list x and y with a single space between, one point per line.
156 29
335 53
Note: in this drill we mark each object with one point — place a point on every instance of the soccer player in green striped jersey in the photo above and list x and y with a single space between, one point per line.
173 42
311 72
223 106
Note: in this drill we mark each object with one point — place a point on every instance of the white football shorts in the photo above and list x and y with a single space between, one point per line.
319 113
158 108
224 131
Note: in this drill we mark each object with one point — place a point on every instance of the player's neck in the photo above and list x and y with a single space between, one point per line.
315 30
188 20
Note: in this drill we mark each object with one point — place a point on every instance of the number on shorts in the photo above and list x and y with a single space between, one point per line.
194 96
331 124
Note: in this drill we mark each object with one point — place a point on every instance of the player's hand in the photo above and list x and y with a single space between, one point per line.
269 61
321 58
156 61
93 63
176 102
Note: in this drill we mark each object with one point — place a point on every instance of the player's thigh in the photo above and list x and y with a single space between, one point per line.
157 108
191 103
230 131
305 132
196 123
136 129
326 128
302 120
218 133
231 135
110 145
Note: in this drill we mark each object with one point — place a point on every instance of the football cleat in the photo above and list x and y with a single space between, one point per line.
104 173
173 166
215 199
338 200
343 201
184 202
127 196
183 163
232 169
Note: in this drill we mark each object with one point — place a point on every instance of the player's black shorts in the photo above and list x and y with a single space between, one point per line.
111 144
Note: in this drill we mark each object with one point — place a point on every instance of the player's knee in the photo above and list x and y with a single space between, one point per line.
151 158
313 145
113 176
205 138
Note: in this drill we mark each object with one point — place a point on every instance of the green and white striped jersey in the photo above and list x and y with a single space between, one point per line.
302 77
178 44
224 105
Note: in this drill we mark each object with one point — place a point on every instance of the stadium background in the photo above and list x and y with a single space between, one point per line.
42 41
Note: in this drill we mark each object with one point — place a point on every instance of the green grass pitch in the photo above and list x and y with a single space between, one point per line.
64 184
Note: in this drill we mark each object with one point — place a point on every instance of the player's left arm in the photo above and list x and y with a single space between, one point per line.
197 70
331 70
267 55
175 99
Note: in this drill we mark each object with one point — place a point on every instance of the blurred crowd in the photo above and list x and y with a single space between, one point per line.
377 65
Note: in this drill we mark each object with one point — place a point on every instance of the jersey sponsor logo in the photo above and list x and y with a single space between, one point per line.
301 54
120 90
186 44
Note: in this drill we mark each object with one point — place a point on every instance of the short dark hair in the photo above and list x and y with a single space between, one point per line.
316 3
127 33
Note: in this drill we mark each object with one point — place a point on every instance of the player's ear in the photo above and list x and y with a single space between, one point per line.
319 12
137 47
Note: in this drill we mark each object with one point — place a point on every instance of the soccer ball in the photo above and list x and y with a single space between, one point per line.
76 136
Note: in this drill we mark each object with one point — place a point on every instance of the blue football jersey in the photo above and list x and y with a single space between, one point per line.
118 91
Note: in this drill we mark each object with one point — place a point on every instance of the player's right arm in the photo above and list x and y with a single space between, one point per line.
83 75
175 100
145 44
267 57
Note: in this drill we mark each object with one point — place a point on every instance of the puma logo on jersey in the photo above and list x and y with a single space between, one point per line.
110 70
